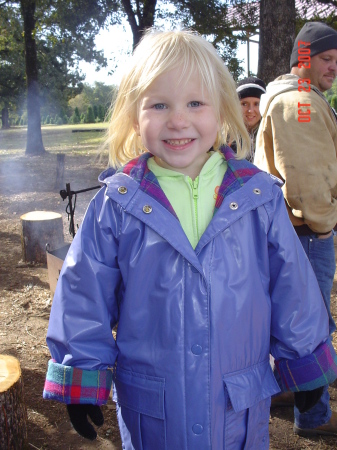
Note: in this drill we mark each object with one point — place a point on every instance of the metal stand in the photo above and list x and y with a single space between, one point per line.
70 208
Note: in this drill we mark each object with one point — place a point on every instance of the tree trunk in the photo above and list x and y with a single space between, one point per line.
34 136
140 20
13 412
277 35
5 118
146 20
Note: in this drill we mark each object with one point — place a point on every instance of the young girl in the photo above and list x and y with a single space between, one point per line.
190 250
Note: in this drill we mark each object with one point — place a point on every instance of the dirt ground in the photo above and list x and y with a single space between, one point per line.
28 184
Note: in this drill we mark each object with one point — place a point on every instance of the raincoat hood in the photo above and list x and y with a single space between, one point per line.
281 84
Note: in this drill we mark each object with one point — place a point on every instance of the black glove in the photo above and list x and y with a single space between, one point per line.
78 417
305 400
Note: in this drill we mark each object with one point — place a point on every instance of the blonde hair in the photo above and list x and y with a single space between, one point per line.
159 52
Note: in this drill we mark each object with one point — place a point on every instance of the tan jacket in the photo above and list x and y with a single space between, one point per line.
302 154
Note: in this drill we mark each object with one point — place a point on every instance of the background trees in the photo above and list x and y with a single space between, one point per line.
92 104
216 20
42 42
212 18
55 36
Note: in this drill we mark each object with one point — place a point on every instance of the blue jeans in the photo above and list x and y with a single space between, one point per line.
321 254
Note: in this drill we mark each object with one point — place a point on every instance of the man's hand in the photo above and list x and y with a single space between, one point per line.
78 417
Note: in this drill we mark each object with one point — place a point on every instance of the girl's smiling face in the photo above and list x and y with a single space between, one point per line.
177 122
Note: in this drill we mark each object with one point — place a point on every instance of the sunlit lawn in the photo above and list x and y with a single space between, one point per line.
56 139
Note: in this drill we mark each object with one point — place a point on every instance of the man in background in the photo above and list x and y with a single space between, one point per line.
297 142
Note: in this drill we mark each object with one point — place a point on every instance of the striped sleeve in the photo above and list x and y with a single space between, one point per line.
68 384
310 372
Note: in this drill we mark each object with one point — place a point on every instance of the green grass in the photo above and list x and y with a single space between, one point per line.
56 139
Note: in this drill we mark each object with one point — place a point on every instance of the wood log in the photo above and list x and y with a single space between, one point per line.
60 159
13 412
40 228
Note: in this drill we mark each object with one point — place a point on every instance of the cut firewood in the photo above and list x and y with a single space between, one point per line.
40 228
13 412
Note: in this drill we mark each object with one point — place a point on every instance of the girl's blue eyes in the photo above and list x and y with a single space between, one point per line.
159 106
193 104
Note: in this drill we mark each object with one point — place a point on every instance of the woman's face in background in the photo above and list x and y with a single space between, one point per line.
250 111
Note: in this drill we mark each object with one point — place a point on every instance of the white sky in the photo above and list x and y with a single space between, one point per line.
117 42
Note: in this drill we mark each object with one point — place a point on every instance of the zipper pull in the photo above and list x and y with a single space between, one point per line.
195 185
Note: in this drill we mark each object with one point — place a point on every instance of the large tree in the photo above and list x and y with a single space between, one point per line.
214 19
57 35
12 70
277 34
34 144
140 15
280 23
210 18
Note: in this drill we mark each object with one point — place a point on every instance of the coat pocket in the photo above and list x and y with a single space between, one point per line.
248 395
141 414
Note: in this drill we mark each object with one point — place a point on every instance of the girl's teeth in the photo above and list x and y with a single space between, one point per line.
178 142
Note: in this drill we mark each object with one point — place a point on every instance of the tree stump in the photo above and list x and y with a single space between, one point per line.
13 412
40 228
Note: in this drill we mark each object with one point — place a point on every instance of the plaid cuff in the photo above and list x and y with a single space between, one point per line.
309 372
68 384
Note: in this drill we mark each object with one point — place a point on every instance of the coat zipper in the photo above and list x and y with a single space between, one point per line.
194 185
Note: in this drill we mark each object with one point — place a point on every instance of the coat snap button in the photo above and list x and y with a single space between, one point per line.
257 191
147 209
122 190
193 269
233 205
197 428
196 349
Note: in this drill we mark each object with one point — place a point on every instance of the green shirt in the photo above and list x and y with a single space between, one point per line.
192 200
